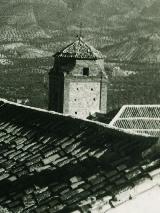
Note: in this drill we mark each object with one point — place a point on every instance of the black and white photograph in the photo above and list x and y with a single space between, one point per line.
79 106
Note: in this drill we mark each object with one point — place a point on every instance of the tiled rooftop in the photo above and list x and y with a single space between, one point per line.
143 119
79 50
55 163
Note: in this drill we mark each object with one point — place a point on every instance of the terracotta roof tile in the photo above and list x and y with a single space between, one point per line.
143 119
65 168
79 50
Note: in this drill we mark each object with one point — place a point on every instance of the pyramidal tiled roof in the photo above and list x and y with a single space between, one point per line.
139 118
79 50
54 163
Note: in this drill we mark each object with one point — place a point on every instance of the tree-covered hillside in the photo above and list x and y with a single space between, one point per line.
31 31
56 22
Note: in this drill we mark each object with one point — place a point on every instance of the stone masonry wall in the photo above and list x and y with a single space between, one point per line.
84 98
95 67
83 95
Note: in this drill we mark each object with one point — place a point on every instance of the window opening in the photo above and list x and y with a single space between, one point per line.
86 71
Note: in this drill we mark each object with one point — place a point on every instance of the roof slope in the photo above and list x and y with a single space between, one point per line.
79 50
139 118
150 197
55 163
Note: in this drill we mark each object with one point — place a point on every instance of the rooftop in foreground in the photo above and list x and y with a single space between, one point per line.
55 163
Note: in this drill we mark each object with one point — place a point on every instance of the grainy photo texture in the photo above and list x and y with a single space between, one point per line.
79 106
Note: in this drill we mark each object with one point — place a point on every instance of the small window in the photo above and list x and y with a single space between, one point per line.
94 99
91 89
75 99
77 89
75 113
86 71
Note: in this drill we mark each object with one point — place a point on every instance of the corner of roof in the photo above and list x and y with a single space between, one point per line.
111 124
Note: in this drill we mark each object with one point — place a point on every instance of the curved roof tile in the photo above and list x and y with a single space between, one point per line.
79 50
143 119
51 162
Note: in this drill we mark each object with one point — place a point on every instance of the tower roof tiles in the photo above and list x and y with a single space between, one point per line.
79 50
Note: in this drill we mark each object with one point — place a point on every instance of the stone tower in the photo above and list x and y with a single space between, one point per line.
77 82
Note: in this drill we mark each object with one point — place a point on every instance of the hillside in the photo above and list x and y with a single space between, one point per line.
142 49
31 31
103 21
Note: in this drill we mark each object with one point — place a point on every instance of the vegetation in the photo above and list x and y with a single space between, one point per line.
126 31
141 88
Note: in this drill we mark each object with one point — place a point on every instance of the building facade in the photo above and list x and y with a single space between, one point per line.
77 82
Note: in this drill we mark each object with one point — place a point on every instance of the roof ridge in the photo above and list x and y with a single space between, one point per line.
100 124
141 105
87 51
61 50
139 118
117 115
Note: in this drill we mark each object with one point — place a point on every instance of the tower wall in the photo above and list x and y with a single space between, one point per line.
82 96
85 95
78 86
95 67
103 98
56 91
